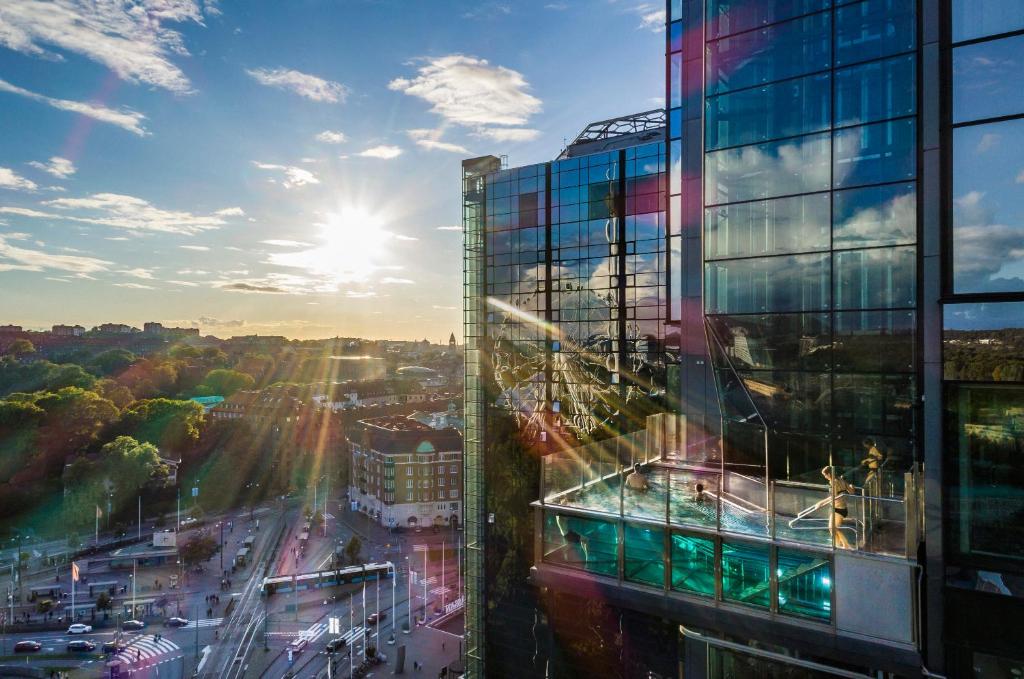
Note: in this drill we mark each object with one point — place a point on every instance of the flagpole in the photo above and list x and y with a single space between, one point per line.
425 550
408 581
74 579
442 575
364 617
352 633
394 576
376 634
97 513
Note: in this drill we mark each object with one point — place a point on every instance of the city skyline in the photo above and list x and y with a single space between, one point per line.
269 172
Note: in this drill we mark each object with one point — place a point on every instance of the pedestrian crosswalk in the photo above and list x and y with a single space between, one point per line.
205 622
354 635
314 632
147 647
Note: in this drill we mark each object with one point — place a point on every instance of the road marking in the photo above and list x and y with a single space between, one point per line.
205 622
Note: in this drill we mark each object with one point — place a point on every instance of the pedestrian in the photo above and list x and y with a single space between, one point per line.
442 645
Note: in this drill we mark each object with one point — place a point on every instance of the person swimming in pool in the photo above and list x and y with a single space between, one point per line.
698 494
839 489
637 480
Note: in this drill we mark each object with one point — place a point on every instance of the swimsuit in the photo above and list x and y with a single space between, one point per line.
841 511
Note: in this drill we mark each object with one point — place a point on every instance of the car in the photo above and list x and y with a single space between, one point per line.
27 646
81 646
335 645
375 618
132 625
79 628
298 645
113 646
176 622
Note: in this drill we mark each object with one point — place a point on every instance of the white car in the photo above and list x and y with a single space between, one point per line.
79 628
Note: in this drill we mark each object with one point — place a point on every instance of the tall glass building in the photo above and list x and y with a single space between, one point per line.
747 399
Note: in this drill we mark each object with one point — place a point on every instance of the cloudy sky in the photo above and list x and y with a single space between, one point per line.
282 167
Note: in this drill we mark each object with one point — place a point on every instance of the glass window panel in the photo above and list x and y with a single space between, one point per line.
775 341
983 342
675 36
880 278
795 283
873 216
766 170
797 224
676 12
988 208
986 79
987 495
805 584
675 81
693 565
577 542
873 404
785 109
876 91
782 51
644 557
978 18
790 401
746 573
733 16
875 154
874 341
874 28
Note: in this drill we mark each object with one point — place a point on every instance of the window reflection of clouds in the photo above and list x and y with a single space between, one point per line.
986 79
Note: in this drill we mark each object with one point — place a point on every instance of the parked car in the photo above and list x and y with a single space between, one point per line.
335 645
114 646
81 646
298 645
132 625
375 618
177 622
79 628
27 646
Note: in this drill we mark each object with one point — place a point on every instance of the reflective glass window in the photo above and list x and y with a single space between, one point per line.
874 154
675 81
785 109
693 565
986 79
874 341
988 207
983 342
782 51
676 10
873 404
878 278
765 170
790 401
577 542
675 38
876 91
875 215
734 16
775 341
746 573
805 584
794 283
767 227
874 28
644 557
986 435
978 18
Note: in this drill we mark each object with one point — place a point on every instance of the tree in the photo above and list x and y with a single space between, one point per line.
112 361
103 602
164 422
20 347
198 548
352 549
128 465
225 382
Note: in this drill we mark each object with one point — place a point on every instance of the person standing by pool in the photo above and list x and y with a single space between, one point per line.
698 494
872 461
839 489
637 480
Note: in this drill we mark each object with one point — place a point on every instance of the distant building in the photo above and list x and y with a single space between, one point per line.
451 341
406 474
208 402
115 329
10 328
262 407
67 330
153 328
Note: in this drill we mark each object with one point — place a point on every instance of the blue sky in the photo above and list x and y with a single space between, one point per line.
282 167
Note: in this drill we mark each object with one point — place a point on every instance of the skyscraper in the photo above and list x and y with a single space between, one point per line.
760 414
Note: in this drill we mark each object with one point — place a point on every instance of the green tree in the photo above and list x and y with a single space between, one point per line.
225 382
112 361
198 548
352 549
21 347
128 465
103 602
169 424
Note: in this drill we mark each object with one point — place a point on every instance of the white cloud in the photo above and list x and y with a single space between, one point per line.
357 294
195 248
1020 177
129 38
139 272
124 212
452 227
987 142
302 84
445 308
293 176
62 168
9 179
134 286
508 134
187 284
123 118
287 243
230 212
383 152
470 92
433 145
22 259
331 137
652 18
388 280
